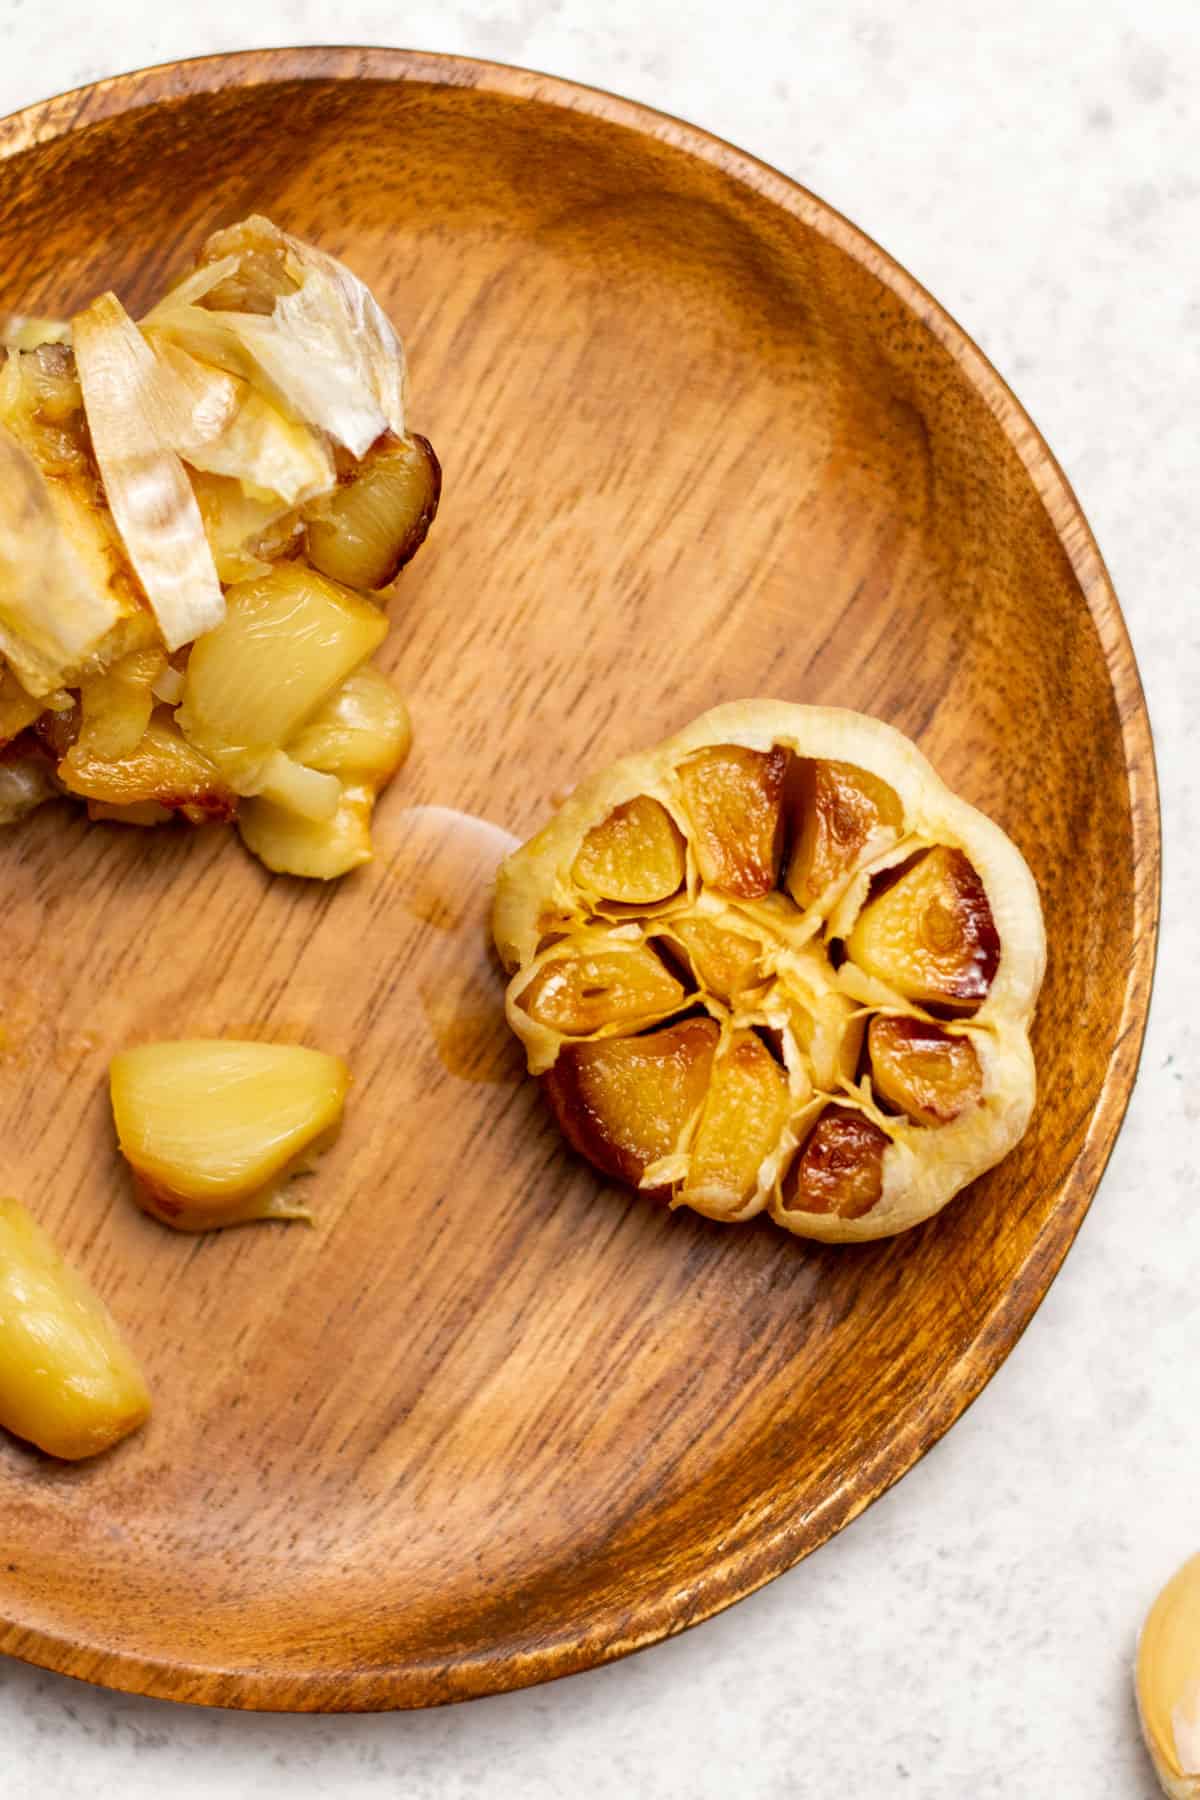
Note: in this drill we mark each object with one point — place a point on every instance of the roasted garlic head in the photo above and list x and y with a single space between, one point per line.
200 517
774 963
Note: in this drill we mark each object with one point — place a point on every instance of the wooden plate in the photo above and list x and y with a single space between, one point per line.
491 1421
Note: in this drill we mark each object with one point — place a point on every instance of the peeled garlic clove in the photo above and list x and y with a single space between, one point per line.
213 1128
362 732
288 641
117 706
636 855
68 1383
164 769
1168 1683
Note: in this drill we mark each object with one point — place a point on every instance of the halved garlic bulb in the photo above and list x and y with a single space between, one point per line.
775 964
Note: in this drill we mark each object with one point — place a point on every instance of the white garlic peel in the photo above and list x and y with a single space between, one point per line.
1168 1683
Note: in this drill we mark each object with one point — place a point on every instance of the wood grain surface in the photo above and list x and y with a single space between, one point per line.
492 1421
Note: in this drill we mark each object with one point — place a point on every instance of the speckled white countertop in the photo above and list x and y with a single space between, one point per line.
970 1637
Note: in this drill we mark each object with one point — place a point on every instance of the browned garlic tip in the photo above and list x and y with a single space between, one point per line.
775 964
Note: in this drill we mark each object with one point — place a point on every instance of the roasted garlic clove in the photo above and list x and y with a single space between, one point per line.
734 798
919 902
842 815
744 1117
288 642
68 1382
116 707
18 710
636 856
608 983
724 960
214 1128
364 532
362 733
1168 1683
626 1103
922 1070
316 849
840 1168
164 770
930 935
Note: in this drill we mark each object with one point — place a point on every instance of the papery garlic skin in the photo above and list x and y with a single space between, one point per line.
145 483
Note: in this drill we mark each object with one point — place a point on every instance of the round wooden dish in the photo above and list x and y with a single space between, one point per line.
491 1421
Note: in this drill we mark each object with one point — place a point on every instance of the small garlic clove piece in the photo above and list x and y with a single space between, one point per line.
1168 1683
214 1128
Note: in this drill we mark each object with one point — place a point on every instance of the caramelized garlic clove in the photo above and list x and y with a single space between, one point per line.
726 962
364 532
288 642
839 1169
931 1074
164 770
580 993
930 935
625 1103
734 798
842 813
362 733
316 849
744 1116
637 855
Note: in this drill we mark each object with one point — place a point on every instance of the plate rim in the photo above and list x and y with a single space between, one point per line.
747 1567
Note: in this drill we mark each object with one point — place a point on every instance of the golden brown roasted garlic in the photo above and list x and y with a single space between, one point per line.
774 963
